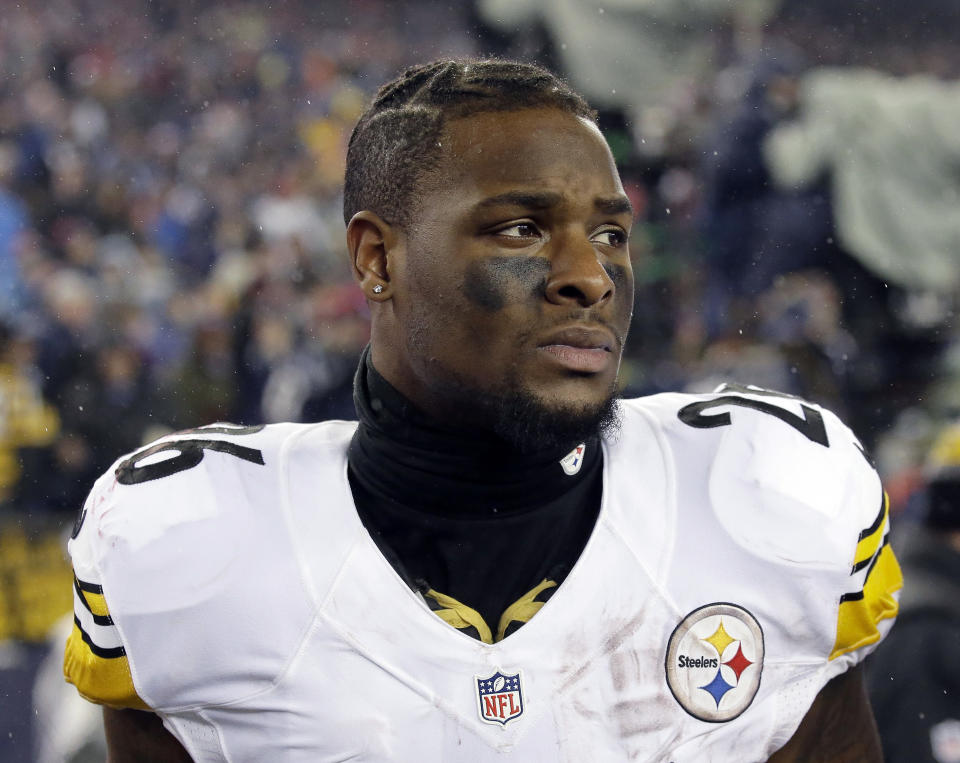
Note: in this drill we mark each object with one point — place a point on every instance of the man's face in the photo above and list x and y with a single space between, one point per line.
513 280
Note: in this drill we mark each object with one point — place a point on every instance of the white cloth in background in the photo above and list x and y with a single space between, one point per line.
892 149
626 52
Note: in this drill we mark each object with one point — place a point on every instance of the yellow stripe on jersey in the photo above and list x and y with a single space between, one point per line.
104 680
101 674
459 615
94 601
523 608
861 611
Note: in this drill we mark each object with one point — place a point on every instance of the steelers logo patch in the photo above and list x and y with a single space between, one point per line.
714 660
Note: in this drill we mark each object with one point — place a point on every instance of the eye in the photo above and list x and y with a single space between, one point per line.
614 237
519 230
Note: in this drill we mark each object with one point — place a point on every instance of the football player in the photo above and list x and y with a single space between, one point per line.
501 561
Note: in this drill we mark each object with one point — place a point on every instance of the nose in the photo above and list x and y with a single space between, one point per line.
577 276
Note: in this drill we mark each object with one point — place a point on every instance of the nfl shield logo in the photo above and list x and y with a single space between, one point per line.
572 462
499 697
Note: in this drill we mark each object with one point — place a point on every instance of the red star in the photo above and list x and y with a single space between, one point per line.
738 663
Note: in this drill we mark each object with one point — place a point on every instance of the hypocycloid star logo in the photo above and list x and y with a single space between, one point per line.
714 661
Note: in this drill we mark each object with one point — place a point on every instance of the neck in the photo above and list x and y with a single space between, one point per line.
405 455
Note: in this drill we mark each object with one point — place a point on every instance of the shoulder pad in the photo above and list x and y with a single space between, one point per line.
178 538
789 483
787 479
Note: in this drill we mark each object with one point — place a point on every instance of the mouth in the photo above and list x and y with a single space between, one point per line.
581 349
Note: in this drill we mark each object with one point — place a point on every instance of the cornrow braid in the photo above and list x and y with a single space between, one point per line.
396 141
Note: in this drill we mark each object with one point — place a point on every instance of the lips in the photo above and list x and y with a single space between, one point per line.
580 349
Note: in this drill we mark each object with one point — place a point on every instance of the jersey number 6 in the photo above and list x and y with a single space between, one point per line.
189 454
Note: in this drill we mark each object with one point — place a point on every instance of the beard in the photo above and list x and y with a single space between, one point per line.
511 410
528 422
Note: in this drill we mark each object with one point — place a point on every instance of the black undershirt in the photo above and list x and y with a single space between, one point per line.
462 510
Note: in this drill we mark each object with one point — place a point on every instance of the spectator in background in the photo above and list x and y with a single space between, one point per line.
751 233
13 221
169 190
170 183
914 676
27 421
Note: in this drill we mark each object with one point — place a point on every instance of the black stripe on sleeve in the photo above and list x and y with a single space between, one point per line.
872 561
99 651
876 522
79 586
89 587
854 596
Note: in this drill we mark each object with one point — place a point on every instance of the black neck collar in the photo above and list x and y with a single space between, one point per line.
401 454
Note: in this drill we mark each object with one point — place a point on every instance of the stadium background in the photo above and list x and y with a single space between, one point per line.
171 246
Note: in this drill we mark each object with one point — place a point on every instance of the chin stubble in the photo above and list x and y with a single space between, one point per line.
531 424
527 421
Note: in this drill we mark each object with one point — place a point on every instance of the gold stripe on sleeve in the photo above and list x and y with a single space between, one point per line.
861 611
95 603
101 674
104 680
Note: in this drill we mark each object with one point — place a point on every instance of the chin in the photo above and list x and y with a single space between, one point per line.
532 422
543 418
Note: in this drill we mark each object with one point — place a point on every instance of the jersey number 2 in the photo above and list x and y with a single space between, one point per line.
810 424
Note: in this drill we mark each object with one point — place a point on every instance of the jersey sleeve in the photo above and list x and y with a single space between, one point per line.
867 610
95 659
793 490
792 485
183 559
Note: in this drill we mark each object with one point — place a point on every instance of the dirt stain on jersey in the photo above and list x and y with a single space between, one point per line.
610 644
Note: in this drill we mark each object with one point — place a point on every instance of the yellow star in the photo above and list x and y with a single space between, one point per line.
720 639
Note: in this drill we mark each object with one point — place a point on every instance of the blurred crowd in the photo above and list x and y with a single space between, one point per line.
171 247
171 238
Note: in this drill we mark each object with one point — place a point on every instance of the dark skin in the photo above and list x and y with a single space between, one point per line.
838 728
517 260
514 271
136 735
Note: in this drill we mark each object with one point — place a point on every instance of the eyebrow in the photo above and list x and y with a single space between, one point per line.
612 205
529 199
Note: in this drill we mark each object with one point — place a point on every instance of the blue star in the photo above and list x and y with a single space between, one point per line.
717 687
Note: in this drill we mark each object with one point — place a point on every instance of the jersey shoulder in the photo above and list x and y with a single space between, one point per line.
769 453
178 480
789 483
179 537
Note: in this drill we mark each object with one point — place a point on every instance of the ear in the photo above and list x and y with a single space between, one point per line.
369 240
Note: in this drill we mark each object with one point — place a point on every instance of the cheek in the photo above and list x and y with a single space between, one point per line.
621 276
495 282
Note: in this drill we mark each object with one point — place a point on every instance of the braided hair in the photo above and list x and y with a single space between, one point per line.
397 139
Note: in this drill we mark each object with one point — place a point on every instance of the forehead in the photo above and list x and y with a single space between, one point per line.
533 149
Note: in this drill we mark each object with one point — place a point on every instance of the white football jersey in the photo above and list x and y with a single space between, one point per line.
739 562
